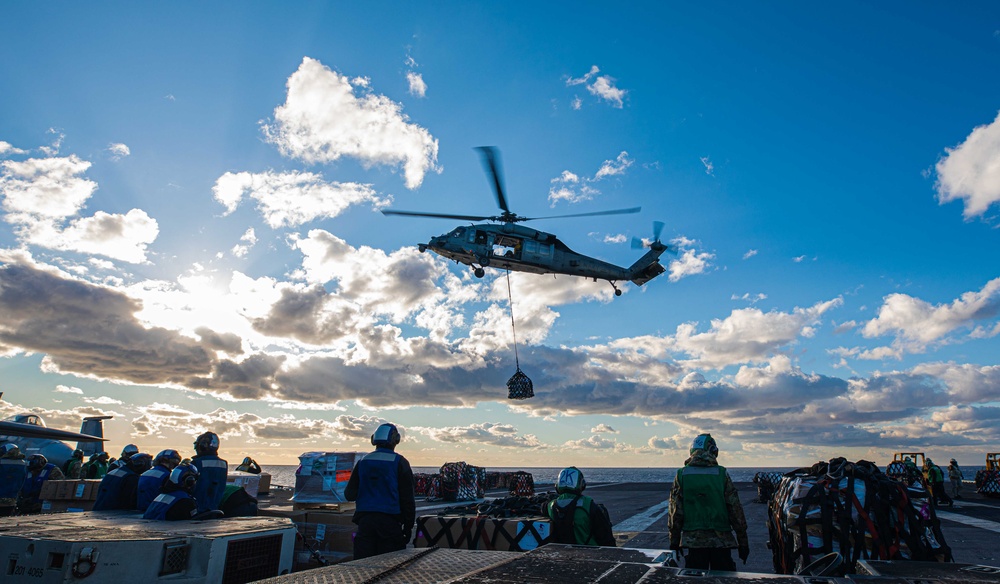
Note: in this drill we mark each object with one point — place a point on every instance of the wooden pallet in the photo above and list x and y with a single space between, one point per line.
347 507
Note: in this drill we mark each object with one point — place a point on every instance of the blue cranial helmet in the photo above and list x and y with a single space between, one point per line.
705 442
386 435
185 476
570 481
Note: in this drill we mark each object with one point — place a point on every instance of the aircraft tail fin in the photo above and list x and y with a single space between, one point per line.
92 426
648 266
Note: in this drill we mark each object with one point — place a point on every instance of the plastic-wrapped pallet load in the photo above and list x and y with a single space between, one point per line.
322 476
852 509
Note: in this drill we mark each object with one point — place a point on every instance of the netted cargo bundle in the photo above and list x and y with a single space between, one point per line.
504 507
433 489
767 483
480 481
459 482
852 509
988 483
519 386
522 484
421 481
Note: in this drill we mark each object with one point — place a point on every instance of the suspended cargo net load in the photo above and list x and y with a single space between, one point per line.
519 386
852 509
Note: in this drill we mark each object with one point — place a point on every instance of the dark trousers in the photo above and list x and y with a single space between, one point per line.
710 559
378 533
940 497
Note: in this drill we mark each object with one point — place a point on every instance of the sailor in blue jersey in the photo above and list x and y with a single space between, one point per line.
151 481
121 461
119 488
39 471
212 472
13 469
382 485
175 502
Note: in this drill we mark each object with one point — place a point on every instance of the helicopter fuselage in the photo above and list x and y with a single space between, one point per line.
513 247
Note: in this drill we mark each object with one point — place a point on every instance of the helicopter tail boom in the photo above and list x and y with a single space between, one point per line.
648 266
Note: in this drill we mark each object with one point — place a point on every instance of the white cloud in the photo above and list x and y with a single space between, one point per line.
617 238
49 188
689 264
751 298
709 167
749 254
248 240
493 434
613 167
917 323
118 151
602 87
971 170
576 103
68 389
122 237
289 199
417 85
569 187
603 428
6 148
322 120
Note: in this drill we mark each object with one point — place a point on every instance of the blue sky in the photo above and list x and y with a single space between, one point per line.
191 237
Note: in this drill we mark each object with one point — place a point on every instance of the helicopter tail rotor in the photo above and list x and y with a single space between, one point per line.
657 230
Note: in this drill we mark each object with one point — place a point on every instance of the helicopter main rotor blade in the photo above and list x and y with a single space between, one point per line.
612 212
491 162
440 215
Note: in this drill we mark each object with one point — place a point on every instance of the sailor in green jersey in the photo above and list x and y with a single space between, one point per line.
576 518
705 510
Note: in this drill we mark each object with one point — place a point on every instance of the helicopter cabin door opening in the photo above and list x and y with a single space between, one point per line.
537 252
507 247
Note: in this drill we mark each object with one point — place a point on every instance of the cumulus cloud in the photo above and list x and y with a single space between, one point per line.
68 389
690 263
603 429
971 170
916 323
289 199
418 87
493 434
602 86
749 254
323 120
6 148
569 187
117 151
247 241
40 194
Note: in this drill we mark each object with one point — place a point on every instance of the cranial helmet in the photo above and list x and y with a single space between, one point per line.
129 450
168 458
185 476
9 448
37 461
247 460
207 443
570 481
953 461
78 454
705 442
140 462
103 456
386 435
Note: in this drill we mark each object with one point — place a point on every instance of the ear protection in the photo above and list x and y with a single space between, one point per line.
386 435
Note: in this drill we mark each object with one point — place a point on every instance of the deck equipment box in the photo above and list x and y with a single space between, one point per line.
515 534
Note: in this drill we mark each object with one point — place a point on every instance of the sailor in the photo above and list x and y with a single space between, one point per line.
96 467
39 471
237 502
119 488
72 466
12 472
576 518
249 465
382 485
127 453
955 476
705 510
151 481
935 483
212 472
176 501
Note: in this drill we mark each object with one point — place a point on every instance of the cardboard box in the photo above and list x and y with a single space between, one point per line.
483 533
70 490
249 481
264 488
323 476
330 533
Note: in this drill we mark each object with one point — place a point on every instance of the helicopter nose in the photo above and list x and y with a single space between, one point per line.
422 247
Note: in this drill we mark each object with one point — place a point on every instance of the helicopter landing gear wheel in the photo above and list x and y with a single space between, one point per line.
617 291
479 272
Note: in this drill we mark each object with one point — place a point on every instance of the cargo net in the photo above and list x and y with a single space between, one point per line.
519 386
460 482
852 509
767 483
504 507
988 483
522 484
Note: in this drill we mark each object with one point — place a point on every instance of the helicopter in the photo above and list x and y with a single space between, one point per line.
506 245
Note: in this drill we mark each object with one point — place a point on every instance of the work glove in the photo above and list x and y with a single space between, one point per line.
744 552
407 535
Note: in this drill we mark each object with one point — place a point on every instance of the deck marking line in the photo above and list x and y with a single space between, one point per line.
640 521
973 521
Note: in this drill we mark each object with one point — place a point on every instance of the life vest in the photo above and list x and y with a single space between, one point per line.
703 490
378 482
110 490
12 473
150 483
570 515
163 503
211 486
32 487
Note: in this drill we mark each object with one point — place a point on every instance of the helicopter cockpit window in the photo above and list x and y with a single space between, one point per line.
458 233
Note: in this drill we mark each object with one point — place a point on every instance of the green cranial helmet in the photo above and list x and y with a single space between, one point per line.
705 442
570 481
